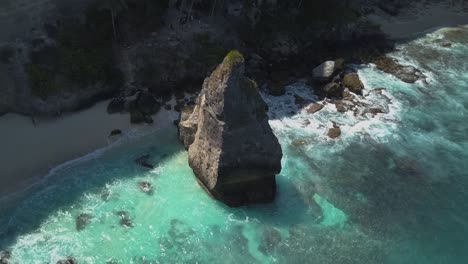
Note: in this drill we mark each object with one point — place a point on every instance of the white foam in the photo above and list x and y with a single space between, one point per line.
290 123
162 120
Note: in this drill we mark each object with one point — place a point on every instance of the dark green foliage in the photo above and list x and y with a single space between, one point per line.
209 53
148 75
41 80
83 55
6 54
329 12
141 16
308 14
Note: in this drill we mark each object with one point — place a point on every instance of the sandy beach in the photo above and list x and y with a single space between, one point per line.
30 150
420 19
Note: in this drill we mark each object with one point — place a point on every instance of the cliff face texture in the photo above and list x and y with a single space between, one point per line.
234 153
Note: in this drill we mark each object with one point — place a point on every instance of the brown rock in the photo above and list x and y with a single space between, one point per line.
407 74
334 132
298 142
313 108
353 83
188 125
234 153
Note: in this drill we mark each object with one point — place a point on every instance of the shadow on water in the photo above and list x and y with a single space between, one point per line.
91 174
388 190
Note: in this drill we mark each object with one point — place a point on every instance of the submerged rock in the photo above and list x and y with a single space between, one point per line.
115 132
234 153
143 161
82 221
146 187
271 238
5 257
298 142
68 260
125 219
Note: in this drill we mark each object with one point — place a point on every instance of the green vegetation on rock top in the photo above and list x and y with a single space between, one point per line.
233 58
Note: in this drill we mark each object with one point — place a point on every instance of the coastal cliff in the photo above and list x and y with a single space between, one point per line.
234 153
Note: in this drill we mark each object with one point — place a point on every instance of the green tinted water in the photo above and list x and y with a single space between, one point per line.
392 189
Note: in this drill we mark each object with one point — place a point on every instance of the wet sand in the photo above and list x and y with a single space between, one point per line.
29 149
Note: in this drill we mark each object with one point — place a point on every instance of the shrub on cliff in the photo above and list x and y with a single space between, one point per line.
82 55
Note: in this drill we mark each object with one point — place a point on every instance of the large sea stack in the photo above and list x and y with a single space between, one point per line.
232 149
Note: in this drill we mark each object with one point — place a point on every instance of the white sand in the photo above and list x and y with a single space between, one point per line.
421 18
28 152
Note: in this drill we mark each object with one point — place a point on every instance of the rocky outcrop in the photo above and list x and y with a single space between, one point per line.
188 125
324 72
140 106
408 74
234 153
313 108
82 221
353 83
334 132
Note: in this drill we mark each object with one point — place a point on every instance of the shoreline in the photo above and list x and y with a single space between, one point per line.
31 151
420 19
51 143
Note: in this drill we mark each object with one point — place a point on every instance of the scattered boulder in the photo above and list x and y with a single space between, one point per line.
82 220
353 83
68 260
146 187
125 219
376 110
408 74
298 142
146 104
333 89
313 108
341 106
446 44
137 117
105 195
324 72
115 132
234 154
334 132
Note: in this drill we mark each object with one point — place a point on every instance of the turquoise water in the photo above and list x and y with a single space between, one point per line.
392 189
